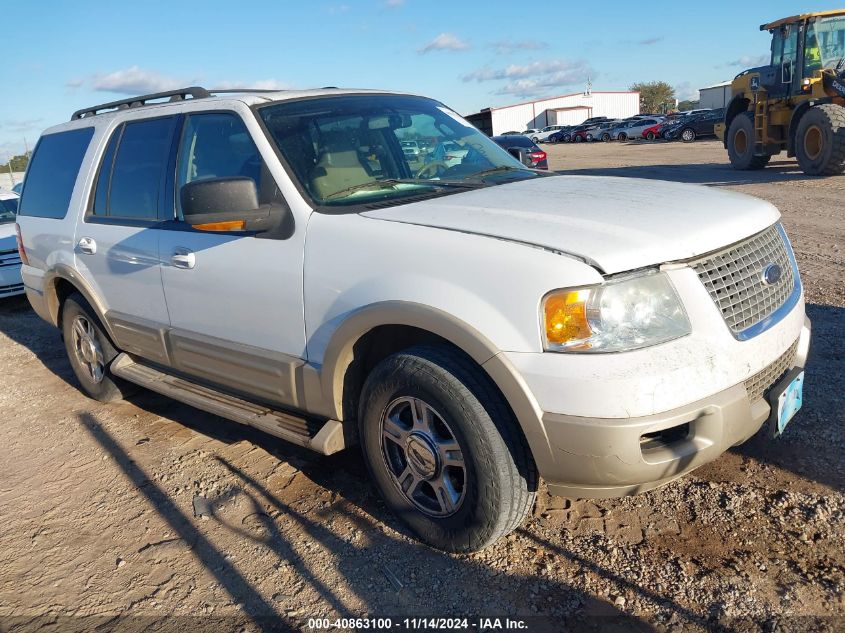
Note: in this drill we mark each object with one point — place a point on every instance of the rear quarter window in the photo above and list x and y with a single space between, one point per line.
52 173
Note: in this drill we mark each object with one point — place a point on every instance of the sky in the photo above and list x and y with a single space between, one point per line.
59 56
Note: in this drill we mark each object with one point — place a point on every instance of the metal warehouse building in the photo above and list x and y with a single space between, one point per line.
564 110
715 96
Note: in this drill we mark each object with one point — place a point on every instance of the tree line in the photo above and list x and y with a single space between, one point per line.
658 97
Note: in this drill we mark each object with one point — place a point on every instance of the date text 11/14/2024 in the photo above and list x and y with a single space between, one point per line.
418 624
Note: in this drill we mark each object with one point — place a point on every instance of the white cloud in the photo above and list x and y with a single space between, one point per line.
531 69
507 47
445 42
750 61
534 78
685 91
135 80
21 125
649 41
262 84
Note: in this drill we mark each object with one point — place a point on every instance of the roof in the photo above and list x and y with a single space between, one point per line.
719 85
93 114
572 94
800 17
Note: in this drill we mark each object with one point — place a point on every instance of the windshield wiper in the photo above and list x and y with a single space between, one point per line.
392 182
494 170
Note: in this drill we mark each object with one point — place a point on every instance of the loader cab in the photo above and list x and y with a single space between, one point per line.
800 48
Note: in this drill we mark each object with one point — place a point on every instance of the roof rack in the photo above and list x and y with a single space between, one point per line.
195 92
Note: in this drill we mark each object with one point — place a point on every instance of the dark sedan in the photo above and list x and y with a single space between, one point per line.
525 150
695 126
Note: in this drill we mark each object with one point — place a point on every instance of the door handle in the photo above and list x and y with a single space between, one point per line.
87 245
183 258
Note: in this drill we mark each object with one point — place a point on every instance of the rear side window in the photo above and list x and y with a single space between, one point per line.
52 172
131 182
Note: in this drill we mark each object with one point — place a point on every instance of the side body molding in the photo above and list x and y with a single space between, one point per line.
339 355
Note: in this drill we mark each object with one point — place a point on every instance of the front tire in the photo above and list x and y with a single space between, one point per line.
90 351
741 144
444 449
622 137
820 140
605 137
535 140
650 136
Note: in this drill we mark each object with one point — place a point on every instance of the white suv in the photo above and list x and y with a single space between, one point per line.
543 135
272 257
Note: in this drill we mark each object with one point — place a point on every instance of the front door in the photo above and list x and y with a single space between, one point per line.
117 243
235 300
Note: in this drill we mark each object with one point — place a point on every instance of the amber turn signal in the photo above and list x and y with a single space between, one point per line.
566 317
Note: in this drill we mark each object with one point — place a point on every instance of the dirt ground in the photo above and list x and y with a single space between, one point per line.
149 515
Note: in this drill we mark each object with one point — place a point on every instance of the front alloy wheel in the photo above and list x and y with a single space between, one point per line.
444 448
423 456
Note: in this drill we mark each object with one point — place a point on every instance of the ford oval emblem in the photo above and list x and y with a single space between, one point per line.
771 274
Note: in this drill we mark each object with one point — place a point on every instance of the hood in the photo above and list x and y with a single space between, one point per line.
615 224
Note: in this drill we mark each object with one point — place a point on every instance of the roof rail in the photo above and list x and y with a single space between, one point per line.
195 92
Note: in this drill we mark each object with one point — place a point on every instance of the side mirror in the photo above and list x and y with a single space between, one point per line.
225 204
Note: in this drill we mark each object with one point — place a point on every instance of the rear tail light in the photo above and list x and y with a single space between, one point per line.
537 156
21 249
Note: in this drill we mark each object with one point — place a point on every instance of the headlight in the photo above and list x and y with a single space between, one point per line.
615 316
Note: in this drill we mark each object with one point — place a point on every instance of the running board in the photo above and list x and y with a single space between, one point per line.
322 437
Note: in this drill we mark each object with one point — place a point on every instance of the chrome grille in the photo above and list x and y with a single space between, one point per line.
759 383
10 258
734 278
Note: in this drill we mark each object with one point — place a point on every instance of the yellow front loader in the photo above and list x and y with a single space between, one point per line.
797 102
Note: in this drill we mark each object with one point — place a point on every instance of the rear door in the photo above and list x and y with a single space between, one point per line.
235 299
116 244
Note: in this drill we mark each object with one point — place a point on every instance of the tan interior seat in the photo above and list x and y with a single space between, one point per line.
338 169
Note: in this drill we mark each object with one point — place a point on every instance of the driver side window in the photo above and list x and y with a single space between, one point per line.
218 145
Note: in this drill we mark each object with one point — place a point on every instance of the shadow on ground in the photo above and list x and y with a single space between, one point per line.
716 174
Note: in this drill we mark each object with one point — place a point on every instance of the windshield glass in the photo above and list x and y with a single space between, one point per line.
360 149
8 209
825 43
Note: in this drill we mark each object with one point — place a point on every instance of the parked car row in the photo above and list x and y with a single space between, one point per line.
686 126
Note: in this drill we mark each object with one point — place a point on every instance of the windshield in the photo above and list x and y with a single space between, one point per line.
825 43
8 209
350 150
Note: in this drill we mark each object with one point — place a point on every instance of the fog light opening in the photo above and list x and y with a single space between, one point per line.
664 438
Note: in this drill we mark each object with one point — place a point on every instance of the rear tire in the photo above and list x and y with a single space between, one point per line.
650 136
535 140
741 144
820 140
414 405
622 137
605 137
90 351
688 135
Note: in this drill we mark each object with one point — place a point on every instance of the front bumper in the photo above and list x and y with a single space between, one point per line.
611 457
10 280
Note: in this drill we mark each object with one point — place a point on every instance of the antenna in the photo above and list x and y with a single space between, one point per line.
589 89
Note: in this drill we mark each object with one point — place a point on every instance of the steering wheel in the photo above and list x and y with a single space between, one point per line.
432 167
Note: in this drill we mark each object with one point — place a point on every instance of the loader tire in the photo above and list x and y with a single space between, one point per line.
820 140
741 144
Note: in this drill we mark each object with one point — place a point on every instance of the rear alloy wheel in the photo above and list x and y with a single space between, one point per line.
90 351
444 448
741 144
622 136
650 136
820 140
535 140
688 135
605 137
